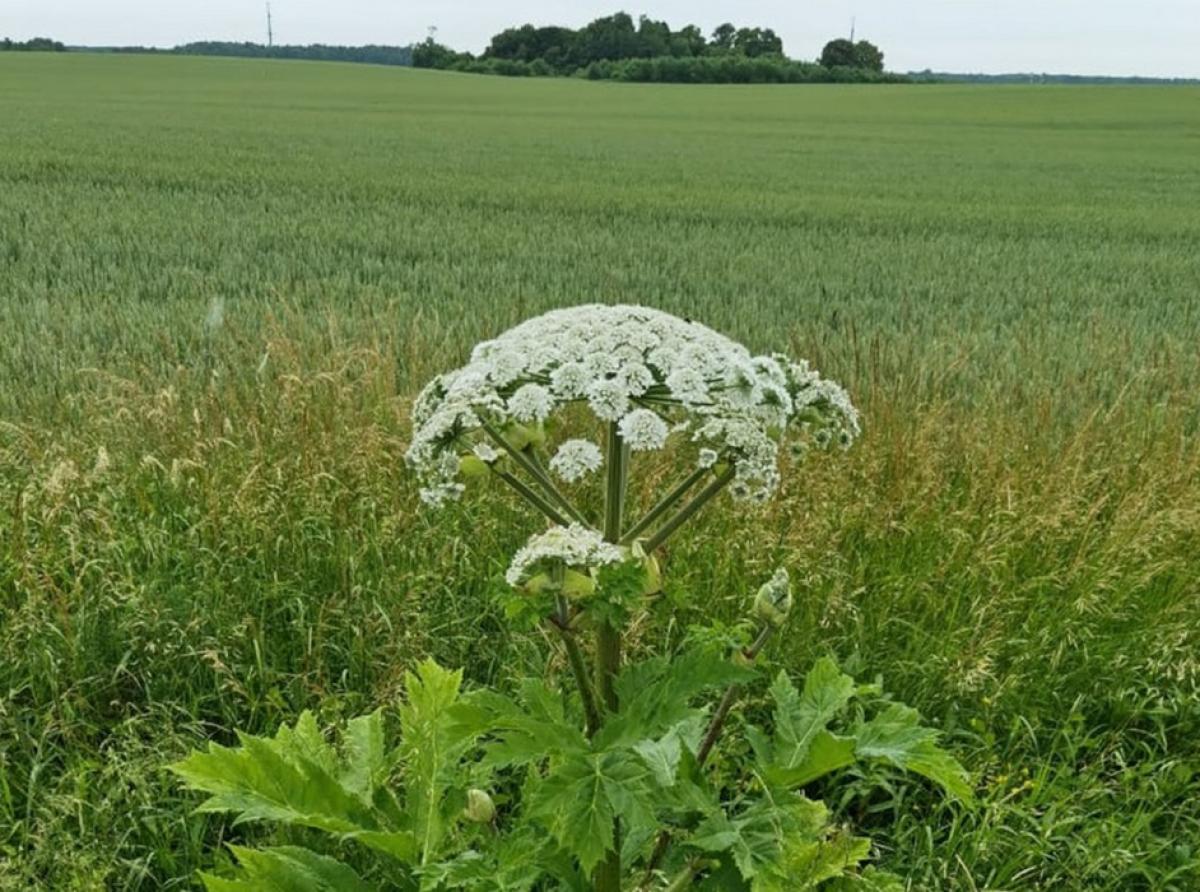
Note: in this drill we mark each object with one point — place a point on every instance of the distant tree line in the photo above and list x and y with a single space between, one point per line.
373 54
615 48
34 45
950 77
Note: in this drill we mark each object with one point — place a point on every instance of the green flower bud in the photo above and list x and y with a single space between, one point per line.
773 602
480 809
537 584
521 435
653 584
577 585
471 465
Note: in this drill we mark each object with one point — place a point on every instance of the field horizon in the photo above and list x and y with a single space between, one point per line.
222 281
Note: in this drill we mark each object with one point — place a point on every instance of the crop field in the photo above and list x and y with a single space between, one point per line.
222 282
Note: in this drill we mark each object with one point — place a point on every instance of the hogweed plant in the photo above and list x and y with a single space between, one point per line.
616 773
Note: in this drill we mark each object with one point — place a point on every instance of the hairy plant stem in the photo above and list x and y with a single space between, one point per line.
583 680
533 498
715 725
664 504
543 476
534 470
683 879
687 511
607 876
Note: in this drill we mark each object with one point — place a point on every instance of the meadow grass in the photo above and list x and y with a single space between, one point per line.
221 281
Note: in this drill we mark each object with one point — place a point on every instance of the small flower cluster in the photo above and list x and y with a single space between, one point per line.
647 371
575 546
575 459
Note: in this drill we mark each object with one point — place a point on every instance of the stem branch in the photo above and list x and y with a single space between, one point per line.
663 505
685 513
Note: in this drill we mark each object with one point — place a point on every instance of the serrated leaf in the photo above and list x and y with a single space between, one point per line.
655 694
807 863
755 837
800 717
897 736
366 762
256 782
287 869
525 732
431 751
578 802
661 757
826 753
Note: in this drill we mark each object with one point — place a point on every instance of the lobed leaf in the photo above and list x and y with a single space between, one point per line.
287 869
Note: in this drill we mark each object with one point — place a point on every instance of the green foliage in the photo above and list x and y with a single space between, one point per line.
287 869
803 749
640 773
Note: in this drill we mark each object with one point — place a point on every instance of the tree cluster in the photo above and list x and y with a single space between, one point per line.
33 45
614 38
844 53
614 47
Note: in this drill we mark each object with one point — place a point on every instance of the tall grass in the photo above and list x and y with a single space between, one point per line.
221 282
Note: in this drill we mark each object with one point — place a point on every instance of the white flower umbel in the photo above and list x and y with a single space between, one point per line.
575 546
639 368
576 459
643 430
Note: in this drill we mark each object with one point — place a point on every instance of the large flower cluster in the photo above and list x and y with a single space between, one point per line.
649 372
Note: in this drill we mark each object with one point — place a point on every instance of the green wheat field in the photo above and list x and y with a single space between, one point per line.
222 281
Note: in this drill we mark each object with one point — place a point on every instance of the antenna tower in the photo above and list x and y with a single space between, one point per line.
270 33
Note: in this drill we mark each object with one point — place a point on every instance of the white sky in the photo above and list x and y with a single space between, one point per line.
1149 37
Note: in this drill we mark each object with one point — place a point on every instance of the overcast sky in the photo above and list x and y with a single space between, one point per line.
1150 37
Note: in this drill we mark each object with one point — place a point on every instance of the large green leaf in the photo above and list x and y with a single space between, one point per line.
897 736
800 717
287 869
367 764
522 732
580 799
431 747
826 753
656 694
296 778
756 836
275 779
807 863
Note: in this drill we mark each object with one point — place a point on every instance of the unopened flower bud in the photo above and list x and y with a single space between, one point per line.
521 435
472 466
774 600
536 584
577 585
651 574
480 808
653 584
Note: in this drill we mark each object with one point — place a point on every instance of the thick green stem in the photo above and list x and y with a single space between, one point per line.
607 876
583 679
667 502
687 511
